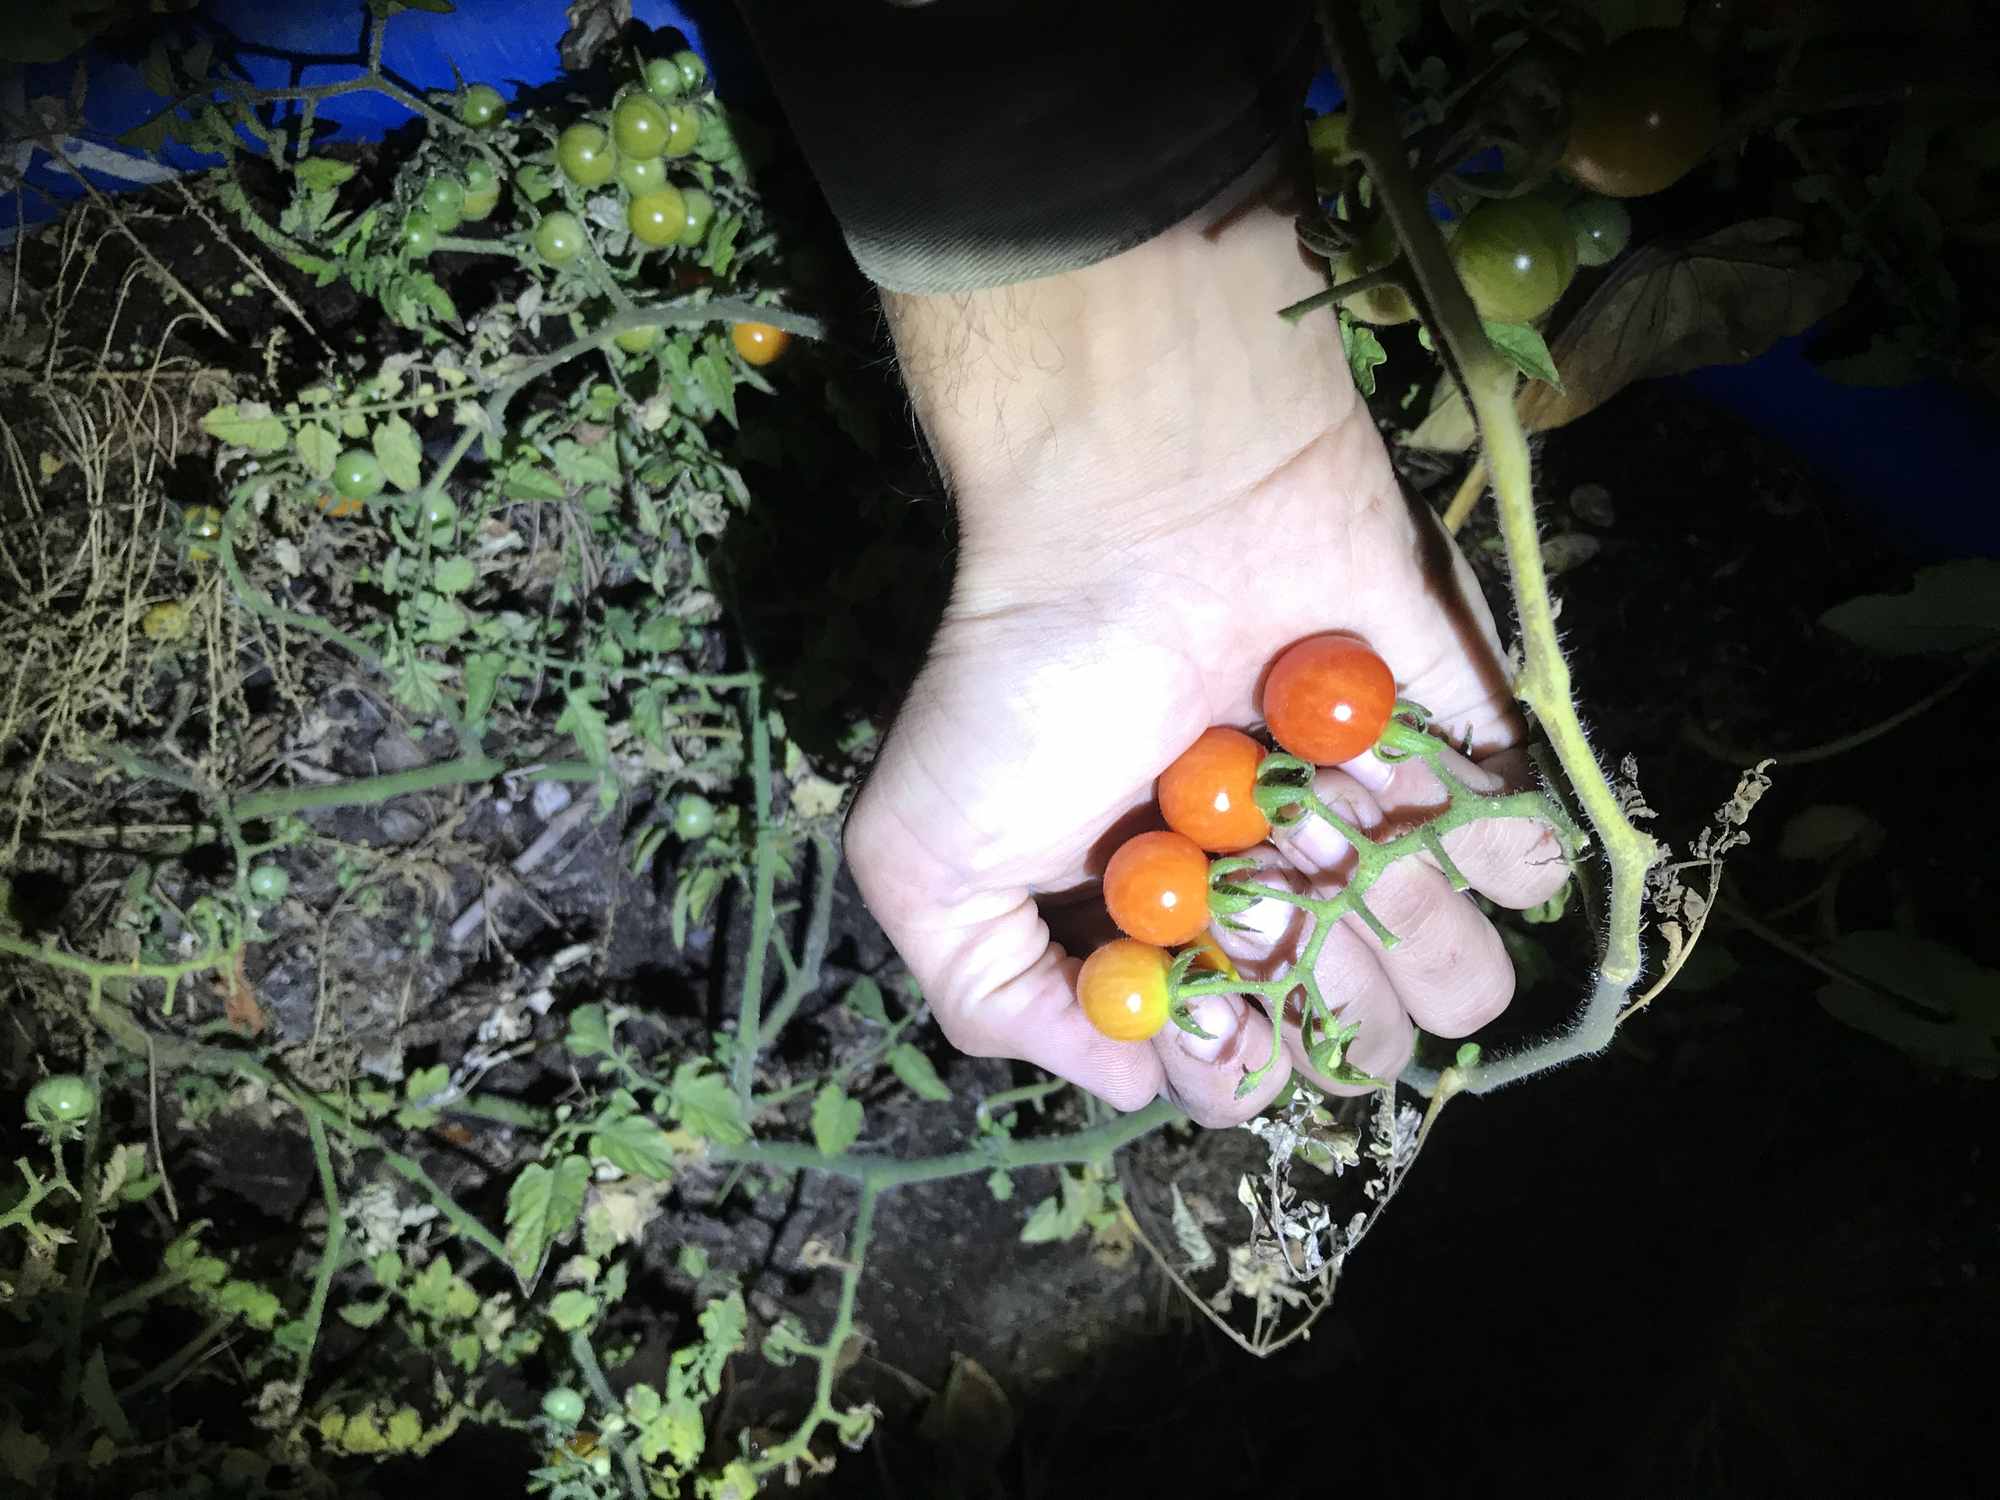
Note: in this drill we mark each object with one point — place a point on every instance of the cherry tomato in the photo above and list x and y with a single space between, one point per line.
482 189
638 340
559 238
663 79
420 233
1156 888
694 816
481 106
61 1098
683 128
1123 989
700 214
269 883
693 71
1602 227
167 621
642 174
439 511
1516 256
656 218
201 525
639 126
1381 304
758 343
1328 698
357 475
563 1405
443 198
1209 957
586 155
338 507
1206 793
1645 110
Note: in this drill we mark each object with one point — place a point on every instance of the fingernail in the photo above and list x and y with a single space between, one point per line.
1221 1018
1370 770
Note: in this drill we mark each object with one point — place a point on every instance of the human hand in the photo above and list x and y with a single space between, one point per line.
1161 485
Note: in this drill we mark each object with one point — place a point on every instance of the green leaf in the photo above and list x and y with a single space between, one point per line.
1364 352
317 449
593 736
425 1082
364 1314
917 1073
541 1206
453 575
836 1120
1527 349
1000 1185
589 1032
401 452
864 998
98 1397
1954 606
1061 1219
570 1310
528 480
482 681
250 1302
635 1146
704 1102
1923 997
318 174
247 424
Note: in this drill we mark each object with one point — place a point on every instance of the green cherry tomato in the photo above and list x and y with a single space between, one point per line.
443 198
700 214
559 238
439 511
357 475
563 1405
420 233
638 340
683 128
1516 256
657 218
61 1099
639 126
269 883
479 206
481 106
642 174
479 176
1646 110
694 816
693 71
1603 229
1381 304
663 80
586 155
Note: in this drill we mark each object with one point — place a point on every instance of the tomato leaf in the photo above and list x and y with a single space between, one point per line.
917 1073
864 998
1665 310
1922 997
1525 347
581 718
402 455
541 1206
836 1120
1954 606
704 1102
1364 352
317 448
635 1146
247 424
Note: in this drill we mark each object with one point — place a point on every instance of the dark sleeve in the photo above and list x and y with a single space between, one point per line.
967 144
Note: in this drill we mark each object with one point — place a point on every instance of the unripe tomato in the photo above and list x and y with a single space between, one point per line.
443 198
639 126
700 214
1516 257
419 234
1122 988
201 525
1207 793
559 238
758 343
563 1405
586 155
664 80
1156 888
1602 227
357 475
481 106
694 816
269 883
1326 140
61 1098
694 72
642 174
1645 110
439 511
656 218
1381 304
1328 698
683 128
482 189
638 340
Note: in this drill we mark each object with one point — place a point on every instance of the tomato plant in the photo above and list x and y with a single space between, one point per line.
1381 304
357 475
563 1405
657 218
700 214
269 883
1123 989
1206 794
694 816
639 340
642 174
559 238
693 71
1156 888
758 343
586 155
420 232
481 106
61 1098
481 186
1643 112
683 128
443 198
1328 698
1603 228
664 79
1516 257
639 126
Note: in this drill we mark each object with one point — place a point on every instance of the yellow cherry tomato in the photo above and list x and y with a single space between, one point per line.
1123 989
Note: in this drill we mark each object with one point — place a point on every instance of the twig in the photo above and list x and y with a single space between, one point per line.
546 843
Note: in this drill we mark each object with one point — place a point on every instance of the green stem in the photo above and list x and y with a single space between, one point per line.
1391 274
763 887
585 1355
330 1256
802 978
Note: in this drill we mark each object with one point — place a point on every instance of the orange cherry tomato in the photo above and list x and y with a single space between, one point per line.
1206 792
1208 956
758 343
1123 989
1156 888
338 506
1328 698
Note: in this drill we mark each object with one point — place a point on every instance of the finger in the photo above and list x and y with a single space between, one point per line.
1203 1076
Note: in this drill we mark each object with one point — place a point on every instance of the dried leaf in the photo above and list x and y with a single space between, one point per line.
1722 300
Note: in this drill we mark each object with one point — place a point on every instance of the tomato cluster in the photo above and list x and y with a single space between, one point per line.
1326 699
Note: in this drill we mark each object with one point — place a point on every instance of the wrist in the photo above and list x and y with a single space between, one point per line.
1067 410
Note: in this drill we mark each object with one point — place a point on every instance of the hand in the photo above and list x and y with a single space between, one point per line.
1161 485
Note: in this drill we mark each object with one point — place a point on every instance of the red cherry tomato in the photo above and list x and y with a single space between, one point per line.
1123 989
1206 792
1156 888
1328 699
